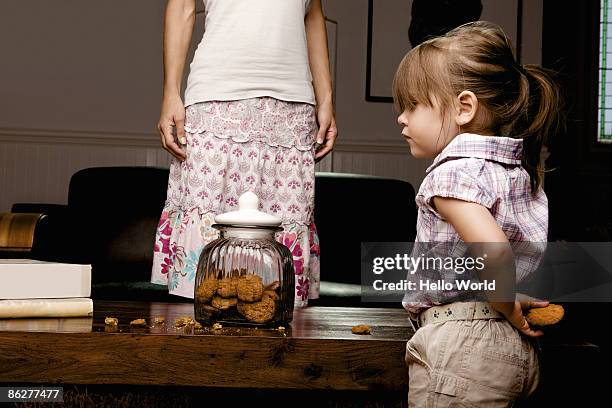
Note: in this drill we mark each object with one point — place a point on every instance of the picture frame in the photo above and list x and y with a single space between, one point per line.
387 43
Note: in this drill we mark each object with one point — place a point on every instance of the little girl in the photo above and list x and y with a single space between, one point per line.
257 115
465 100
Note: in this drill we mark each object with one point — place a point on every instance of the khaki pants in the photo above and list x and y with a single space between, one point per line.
478 363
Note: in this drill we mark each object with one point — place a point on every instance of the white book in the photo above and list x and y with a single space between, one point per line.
22 308
31 279
49 325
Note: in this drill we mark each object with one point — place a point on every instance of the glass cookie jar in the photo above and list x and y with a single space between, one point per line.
245 277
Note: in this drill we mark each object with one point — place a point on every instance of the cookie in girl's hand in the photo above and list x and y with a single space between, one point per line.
545 316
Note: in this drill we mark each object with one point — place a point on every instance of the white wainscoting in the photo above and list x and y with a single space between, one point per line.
385 160
36 165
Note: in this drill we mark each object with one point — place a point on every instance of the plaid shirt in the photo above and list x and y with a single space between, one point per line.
485 170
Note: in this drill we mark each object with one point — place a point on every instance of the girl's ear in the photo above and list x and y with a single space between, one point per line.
467 108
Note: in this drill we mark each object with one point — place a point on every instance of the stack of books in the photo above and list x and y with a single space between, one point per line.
31 289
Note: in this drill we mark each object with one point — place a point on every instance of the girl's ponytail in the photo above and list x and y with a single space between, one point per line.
541 118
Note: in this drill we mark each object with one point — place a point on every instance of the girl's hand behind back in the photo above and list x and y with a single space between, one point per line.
517 318
475 224
173 115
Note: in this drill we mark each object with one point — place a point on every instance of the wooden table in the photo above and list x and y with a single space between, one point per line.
317 351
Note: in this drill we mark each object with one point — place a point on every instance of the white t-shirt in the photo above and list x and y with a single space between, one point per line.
252 48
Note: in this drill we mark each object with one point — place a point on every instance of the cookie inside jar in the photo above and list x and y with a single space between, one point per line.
245 276
241 297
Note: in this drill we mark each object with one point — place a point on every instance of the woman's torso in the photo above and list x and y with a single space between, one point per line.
252 48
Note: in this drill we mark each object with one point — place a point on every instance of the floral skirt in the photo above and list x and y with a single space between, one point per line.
262 145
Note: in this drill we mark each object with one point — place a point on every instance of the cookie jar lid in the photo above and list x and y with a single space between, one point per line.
248 214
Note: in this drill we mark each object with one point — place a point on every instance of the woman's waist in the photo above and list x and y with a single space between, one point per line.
242 77
270 120
202 86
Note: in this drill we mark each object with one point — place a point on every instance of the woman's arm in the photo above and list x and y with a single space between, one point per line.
316 36
178 28
475 224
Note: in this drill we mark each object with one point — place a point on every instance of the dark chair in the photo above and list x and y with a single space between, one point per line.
350 209
109 222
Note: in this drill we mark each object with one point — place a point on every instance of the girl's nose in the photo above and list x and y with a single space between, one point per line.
401 120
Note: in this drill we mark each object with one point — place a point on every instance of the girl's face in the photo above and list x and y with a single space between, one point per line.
427 130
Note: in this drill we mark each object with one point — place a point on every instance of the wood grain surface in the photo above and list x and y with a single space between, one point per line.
316 351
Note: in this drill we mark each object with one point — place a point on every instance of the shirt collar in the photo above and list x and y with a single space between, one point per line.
495 148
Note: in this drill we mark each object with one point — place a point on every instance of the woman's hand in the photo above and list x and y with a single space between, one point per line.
318 57
179 20
173 115
326 137
518 320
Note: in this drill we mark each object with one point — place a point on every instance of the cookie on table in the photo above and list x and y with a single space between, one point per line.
361 329
138 322
545 316
183 321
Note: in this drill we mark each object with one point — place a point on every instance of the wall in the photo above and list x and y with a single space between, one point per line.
81 86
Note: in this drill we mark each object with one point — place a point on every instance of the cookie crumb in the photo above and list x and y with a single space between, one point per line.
138 322
217 326
280 328
160 320
183 321
362 329
111 321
